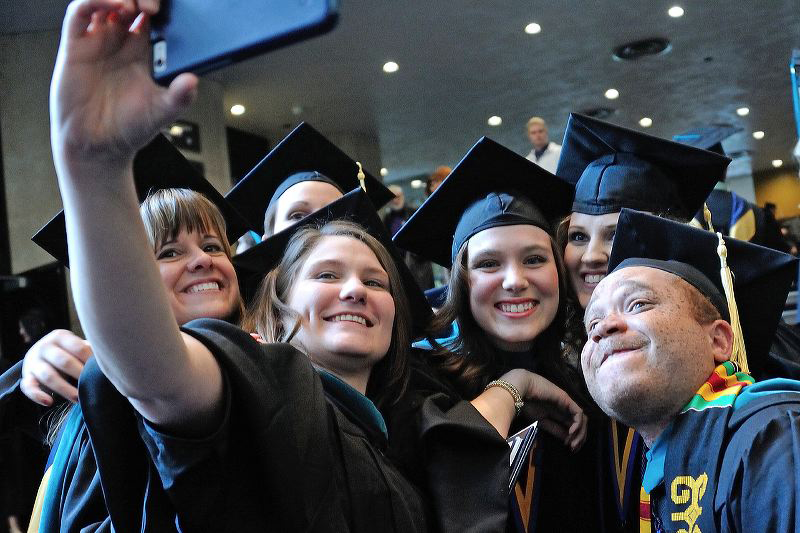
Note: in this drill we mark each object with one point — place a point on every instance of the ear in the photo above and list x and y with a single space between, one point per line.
721 334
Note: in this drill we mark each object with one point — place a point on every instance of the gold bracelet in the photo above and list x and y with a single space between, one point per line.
511 389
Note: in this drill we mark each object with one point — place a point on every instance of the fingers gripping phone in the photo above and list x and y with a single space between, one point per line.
203 35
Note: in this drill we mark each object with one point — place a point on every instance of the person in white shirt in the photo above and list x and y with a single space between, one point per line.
544 153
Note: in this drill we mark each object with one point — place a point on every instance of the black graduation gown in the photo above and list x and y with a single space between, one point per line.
734 470
441 441
290 455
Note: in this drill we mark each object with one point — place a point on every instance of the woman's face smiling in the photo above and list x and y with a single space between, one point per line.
589 241
199 277
346 310
301 200
513 283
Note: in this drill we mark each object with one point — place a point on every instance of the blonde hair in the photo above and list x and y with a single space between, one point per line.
276 321
536 120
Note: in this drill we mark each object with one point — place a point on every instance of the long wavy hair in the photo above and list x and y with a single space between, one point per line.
273 319
472 360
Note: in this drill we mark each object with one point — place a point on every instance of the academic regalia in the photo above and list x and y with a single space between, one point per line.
303 155
734 216
295 452
725 462
613 167
70 497
557 490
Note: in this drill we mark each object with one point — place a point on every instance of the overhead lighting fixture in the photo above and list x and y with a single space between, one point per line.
758 134
612 94
777 163
494 120
297 110
390 66
384 171
532 28
675 12
646 122
416 184
743 111
237 110
176 130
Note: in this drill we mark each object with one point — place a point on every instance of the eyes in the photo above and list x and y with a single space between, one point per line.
578 237
174 250
329 276
490 264
297 215
631 307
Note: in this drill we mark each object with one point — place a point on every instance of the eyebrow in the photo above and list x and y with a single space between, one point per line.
339 263
526 250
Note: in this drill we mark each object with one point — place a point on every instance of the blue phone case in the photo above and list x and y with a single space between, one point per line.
203 35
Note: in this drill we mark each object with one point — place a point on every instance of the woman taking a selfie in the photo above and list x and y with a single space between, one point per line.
263 442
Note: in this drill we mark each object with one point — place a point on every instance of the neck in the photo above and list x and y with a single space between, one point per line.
651 432
540 147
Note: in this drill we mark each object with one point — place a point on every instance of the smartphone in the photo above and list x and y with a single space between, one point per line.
203 35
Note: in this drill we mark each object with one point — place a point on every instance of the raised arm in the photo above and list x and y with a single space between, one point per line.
104 107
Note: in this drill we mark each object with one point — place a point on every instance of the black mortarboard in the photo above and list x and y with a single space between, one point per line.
355 206
762 276
159 165
707 138
491 186
614 167
303 155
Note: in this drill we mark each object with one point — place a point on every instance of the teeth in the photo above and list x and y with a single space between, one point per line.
350 318
593 278
209 286
516 308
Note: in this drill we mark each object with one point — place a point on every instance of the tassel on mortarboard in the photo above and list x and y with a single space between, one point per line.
738 353
361 177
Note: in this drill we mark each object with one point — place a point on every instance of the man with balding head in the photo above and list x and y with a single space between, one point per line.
667 353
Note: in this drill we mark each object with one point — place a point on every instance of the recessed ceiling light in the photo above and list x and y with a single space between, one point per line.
176 130
532 28
612 94
237 110
646 122
743 111
416 184
494 120
675 12
777 163
390 66
384 171
758 134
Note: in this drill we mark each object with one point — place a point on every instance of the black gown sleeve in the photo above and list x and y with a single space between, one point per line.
270 464
444 445
760 476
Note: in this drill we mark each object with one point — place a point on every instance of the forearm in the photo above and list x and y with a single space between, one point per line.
496 405
120 298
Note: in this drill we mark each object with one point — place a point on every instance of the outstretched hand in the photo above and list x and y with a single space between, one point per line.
104 104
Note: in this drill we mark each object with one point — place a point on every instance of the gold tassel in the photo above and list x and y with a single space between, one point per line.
738 354
707 216
361 177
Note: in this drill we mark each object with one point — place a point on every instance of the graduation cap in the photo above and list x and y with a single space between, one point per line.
354 206
491 186
614 167
159 165
747 283
303 155
707 138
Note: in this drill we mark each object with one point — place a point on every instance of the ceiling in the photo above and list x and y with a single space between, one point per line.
462 62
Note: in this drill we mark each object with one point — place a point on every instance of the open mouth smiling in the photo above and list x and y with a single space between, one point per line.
350 317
